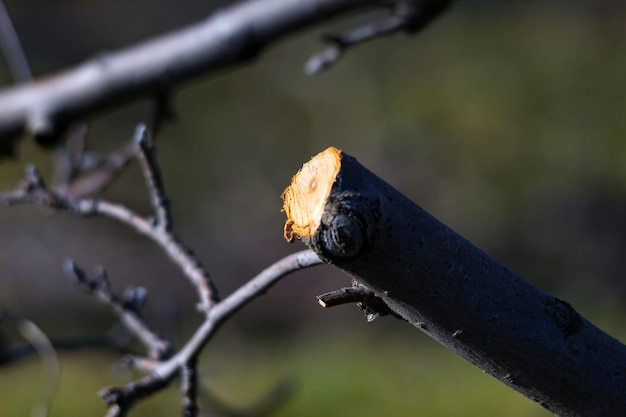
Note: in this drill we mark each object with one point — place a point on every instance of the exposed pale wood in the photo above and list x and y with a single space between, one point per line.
305 198
457 294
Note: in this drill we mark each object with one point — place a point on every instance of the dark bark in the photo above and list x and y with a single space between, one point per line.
461 297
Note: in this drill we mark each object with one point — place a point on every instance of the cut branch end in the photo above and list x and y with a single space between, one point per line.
304 199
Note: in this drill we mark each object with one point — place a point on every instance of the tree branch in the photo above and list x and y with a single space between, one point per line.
454 292
408 16
127 309
12 48
79 172
121 399
189 387
161 367
33 190
366 300
229 36
47 353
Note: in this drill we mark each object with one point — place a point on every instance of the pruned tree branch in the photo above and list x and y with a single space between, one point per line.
451 290
230 36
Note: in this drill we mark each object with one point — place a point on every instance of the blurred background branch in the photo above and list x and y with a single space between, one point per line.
231 35
44 348
12 49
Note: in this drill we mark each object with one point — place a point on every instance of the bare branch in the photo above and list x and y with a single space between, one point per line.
17 353
161 368
163 112
232 35
235 301
120 399
189 387
126 310
12 48
262 282
341 296
152 173
44 348
34 191
366 300
407 16
81 173
242 296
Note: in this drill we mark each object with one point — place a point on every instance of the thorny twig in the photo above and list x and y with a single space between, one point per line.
160 366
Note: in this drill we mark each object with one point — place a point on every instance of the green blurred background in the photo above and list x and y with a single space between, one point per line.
506 120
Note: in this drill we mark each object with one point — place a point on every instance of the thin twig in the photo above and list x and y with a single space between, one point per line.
189 387
239 298
20 352
345 295
81 173
366 300
122 398
127 310
162 113
152 173
68 157
161 368
34 191
12 48
44 348
408 16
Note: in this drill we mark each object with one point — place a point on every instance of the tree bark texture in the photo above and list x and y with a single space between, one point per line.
451 290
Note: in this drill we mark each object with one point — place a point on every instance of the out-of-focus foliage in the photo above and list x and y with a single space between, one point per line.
506 120
342 375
